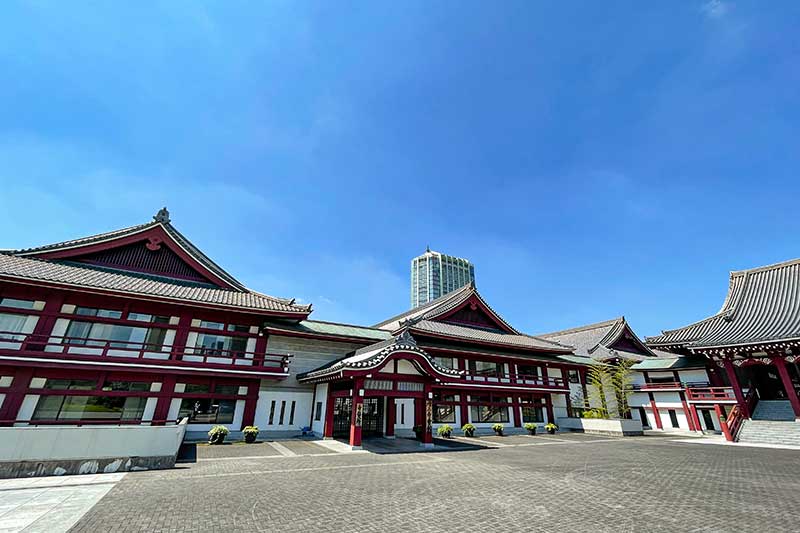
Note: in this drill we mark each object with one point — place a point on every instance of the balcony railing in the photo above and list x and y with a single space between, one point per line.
515 380
667 385
69 347
710 394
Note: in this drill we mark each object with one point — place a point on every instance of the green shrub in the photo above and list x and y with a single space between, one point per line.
218 430
498 428
530 426
551 427
445 430
250 429
468 430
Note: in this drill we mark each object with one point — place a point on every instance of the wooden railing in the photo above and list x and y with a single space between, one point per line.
710 394
732 424
657 386
70 347
516 380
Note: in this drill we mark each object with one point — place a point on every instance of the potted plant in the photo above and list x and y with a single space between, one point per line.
551 428
468 429
418 432
217 434
445 430
498 428
250 434
531 427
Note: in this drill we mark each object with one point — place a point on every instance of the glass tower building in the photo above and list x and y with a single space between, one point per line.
434 274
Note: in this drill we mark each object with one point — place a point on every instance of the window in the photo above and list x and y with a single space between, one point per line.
283 410
12 323
673 417
205 324
486 408
318 412
17 304
142 317
194 388
485 368
529 370
102 313
271 412
220 344
207 410
291 413
133 386
445 362
96 334
444 408
532 413
89 408
226 389
574 376
69 384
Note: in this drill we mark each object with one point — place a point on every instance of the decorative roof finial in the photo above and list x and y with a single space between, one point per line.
162 216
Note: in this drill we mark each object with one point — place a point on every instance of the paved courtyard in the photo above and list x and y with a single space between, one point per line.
567 482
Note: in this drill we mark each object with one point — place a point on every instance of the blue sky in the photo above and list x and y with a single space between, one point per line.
592 160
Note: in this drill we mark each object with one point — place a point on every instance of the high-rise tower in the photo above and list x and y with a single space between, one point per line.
434 274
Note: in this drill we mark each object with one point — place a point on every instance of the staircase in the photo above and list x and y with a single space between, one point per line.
774 410
772 423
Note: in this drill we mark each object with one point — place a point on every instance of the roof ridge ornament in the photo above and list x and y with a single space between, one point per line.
162 216
406 338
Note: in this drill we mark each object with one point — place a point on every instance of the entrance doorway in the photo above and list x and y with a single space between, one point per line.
342 411
767 382
372 417
708 420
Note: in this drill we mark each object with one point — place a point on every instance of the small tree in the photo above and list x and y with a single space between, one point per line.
599 375
621 380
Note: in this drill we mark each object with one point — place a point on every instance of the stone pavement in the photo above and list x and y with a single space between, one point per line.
571 482
50 504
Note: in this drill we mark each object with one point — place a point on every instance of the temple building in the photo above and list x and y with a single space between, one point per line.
138 326
752 346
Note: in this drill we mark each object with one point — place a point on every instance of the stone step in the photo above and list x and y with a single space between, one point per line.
774 410
770 432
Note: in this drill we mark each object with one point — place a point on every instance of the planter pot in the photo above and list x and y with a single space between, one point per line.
446 435
469 433
217 439
250 438
551 431
532 431
499 433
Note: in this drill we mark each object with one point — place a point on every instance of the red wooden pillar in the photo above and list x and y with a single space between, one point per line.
689 418
656 414
327 431
357 414
427 421
516 410
696 419
181 335
780 365
161 411
737 389
548 399
250 403
391 414
15 395
722 423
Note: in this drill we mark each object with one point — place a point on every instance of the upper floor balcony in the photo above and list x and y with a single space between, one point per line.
159 355
522 381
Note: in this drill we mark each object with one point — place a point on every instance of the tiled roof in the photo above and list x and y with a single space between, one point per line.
134 283
373 355
597 340
440 306
670 363
518 340
762 306
316 327
164 223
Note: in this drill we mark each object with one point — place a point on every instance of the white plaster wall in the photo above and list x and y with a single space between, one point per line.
559 406
302 412
639 399
47 443
318 426
308 354
693 375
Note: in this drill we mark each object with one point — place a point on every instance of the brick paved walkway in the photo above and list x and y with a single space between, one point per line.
575 483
